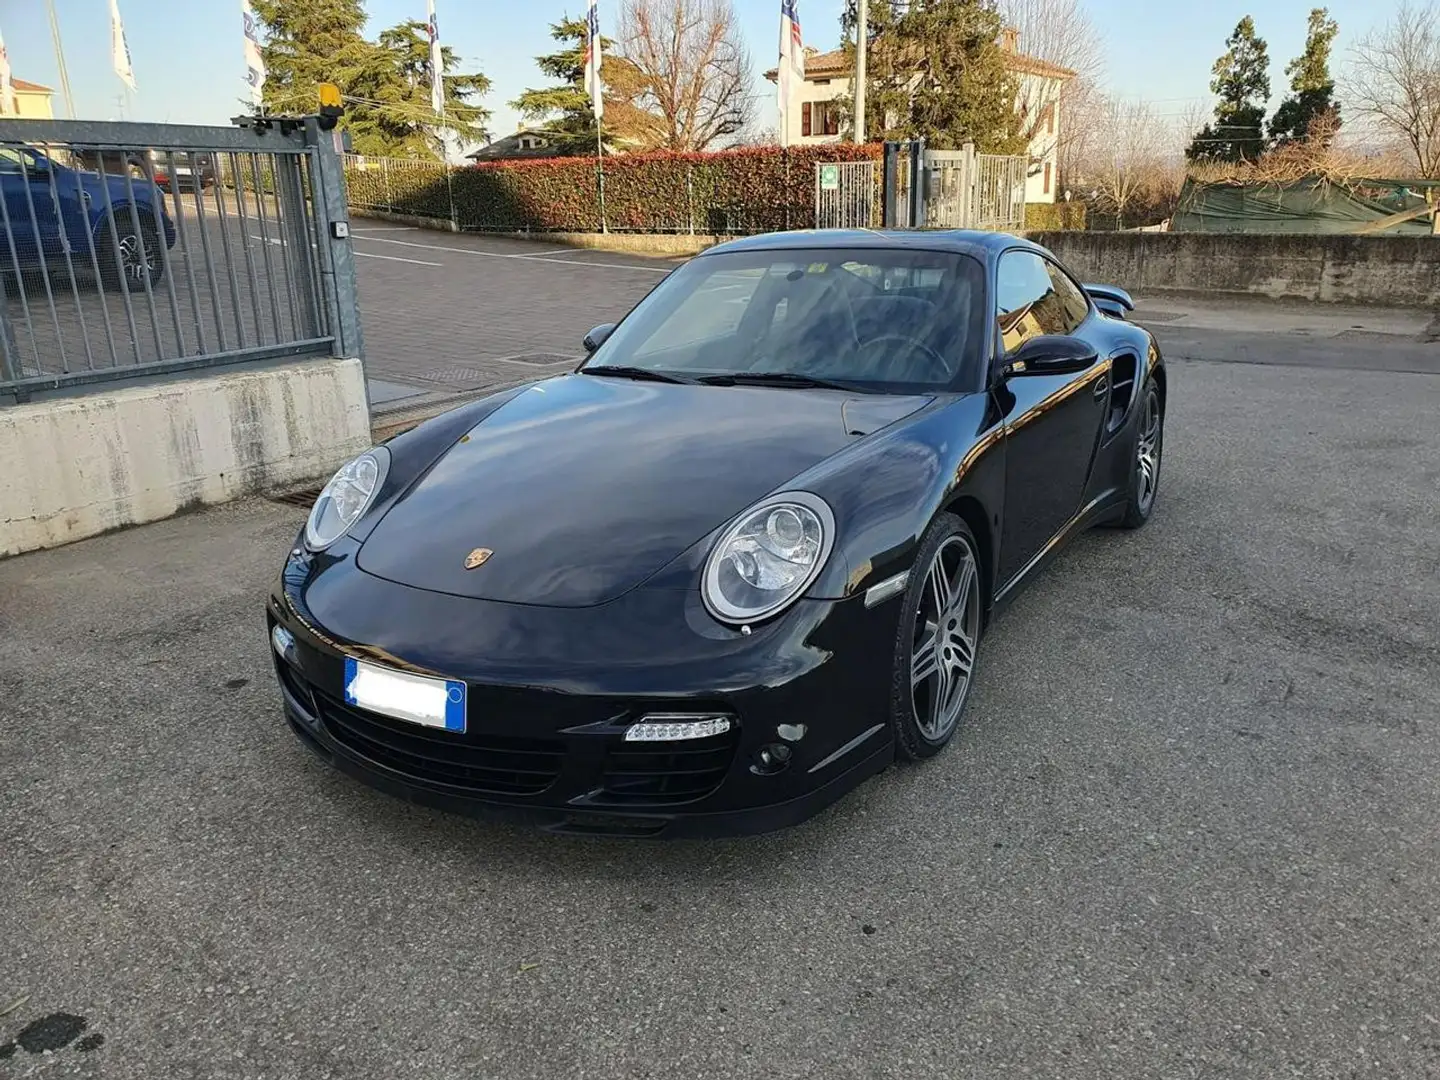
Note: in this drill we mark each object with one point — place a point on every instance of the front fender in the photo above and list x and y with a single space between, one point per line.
886 491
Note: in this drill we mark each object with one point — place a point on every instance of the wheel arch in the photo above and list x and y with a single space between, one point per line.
970 510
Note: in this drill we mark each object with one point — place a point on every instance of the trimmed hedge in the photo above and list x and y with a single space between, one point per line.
733 191
1055 217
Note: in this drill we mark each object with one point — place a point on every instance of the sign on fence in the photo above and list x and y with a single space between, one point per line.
829 177
845 195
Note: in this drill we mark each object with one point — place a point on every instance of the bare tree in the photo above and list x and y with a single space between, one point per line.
1394 79
695 68
1061 33
1130 158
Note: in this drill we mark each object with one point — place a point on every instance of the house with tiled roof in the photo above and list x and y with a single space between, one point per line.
814 115
32 101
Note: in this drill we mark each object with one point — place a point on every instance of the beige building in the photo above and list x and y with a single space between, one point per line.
814 114
32 101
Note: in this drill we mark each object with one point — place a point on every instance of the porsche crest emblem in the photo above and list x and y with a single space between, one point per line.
477 558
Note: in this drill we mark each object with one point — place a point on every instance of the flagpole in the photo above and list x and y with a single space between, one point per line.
600 172
60 60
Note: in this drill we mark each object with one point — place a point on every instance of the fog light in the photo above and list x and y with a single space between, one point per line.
772 758
661 728
283 641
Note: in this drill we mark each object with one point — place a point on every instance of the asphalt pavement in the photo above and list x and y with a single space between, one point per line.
1191 828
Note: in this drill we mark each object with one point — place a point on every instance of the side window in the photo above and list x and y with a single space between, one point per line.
1027 304
1072 299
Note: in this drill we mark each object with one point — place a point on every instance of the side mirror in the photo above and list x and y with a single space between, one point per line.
1050 354
595 338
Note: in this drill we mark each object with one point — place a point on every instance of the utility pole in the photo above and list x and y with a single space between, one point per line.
60 61
862 36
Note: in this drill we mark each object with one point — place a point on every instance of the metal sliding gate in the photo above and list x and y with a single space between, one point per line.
959 189
129 250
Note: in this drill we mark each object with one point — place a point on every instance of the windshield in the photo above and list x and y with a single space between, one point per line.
880 319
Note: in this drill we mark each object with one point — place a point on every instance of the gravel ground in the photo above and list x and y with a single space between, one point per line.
1191 828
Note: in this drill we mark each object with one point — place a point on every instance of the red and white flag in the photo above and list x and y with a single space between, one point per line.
791 74
593 86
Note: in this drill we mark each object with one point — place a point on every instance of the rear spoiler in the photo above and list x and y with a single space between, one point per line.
1111 300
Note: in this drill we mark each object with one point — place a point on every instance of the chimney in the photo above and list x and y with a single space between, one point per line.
1010 39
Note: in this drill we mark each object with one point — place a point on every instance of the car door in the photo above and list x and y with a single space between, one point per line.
30 205
1052 422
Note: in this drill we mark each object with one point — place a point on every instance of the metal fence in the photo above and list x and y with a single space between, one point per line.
139 249
389 184
846 195
966 190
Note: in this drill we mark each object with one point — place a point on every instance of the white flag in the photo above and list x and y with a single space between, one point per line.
437 65
593 86
8 107
791 73
254 62
119 50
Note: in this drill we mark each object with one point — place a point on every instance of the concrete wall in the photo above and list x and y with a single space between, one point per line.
83 465
1395 271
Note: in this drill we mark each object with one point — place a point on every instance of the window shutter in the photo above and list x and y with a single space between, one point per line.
1047 178
805 119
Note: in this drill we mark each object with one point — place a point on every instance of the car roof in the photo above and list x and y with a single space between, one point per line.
968 241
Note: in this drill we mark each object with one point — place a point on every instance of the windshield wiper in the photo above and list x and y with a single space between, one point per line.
621 372
783 379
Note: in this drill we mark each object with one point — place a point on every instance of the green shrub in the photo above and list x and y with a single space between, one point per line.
733 191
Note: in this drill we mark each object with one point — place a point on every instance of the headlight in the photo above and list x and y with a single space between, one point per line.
348 495
768 557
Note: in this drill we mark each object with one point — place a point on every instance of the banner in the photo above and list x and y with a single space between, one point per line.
119 50
254 62
593 86
437 65
8 105
791 74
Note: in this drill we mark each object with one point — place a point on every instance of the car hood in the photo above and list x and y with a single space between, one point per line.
581 487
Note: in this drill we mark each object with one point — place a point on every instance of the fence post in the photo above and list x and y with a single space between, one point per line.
385 180
9 349
969 181
690 194
889 181
337 257
919 179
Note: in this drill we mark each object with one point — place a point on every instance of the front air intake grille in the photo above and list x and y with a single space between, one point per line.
485 764
662 774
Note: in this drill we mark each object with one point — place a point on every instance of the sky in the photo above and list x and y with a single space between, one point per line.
189 65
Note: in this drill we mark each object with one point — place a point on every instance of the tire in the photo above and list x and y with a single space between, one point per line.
1145 461
118 253
926 712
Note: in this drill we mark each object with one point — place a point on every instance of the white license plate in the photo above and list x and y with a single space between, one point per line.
418 699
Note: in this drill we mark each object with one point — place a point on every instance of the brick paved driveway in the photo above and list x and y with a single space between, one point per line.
461 312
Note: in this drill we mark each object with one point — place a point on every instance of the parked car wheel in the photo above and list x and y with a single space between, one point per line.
133 255
937 640
1145 477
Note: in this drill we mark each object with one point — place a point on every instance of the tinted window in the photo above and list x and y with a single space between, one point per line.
1033 297
887 318
1077 306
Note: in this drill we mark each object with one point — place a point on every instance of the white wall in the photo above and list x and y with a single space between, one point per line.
83 465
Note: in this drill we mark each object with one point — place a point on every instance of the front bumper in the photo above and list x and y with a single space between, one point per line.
545 743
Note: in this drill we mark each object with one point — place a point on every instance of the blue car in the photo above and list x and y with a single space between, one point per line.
112 224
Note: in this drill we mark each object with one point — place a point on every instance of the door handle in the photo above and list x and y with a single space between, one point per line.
1102 387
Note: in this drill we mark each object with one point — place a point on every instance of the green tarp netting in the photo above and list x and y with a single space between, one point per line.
1302 206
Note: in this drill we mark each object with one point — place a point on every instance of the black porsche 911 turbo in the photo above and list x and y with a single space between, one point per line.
741 558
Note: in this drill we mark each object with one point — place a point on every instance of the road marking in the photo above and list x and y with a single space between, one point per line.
380 228
498 255
395 258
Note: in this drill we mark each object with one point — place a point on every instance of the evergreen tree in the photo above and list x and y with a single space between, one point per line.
936 71
565 107
1242 81
1312 90
385 83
